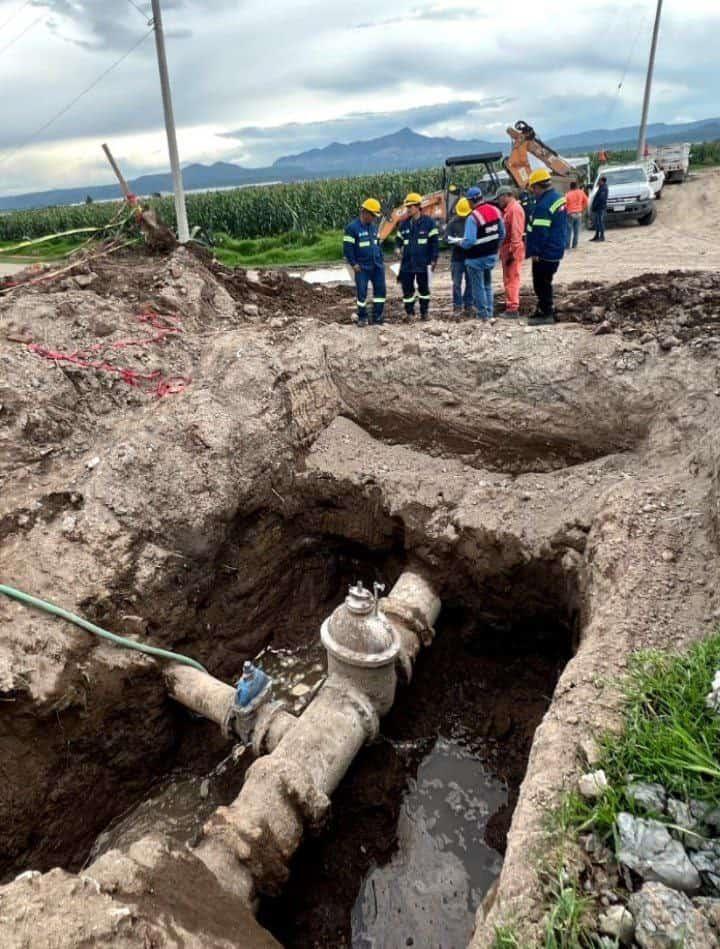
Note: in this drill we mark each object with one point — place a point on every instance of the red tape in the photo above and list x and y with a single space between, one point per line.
152 382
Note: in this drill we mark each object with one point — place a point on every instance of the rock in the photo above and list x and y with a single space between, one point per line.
651 797
710 908
93 463
251 309
668 342
597 313
668 556
666 919
593 785
84 280
647 848
706 860
204 788
134 625
603 329
680 814
590 750
619 923
712 820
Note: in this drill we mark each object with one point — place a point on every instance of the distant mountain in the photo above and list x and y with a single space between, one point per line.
659 133
404 149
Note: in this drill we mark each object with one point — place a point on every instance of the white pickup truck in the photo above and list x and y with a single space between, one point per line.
673 159
630 193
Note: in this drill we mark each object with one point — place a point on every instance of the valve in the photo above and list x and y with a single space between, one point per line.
251 692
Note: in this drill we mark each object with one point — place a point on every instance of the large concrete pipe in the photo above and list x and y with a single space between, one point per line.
290 788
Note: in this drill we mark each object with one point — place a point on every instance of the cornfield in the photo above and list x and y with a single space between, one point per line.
245 212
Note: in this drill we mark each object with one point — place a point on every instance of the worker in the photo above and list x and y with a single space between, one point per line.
512 250
576 202
545 244
462 295
599 209
418 238
484 233
363 252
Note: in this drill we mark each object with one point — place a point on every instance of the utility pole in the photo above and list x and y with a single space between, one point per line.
179 190
642 138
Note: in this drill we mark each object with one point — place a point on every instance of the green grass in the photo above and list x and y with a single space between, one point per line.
50 250
285 249
565 922
669 736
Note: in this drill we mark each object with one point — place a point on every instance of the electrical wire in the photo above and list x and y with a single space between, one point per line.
13 15
73 102
6 47
148 19
631 54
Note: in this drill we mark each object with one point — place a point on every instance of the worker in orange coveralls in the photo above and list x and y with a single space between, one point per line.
512 251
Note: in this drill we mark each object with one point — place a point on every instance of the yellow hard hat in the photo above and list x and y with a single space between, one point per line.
413 198
372 205
539 177
462 208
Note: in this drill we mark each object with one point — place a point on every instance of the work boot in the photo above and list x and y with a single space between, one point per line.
457 312
593 239
541 319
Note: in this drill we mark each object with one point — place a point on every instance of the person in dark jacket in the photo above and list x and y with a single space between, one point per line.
419 239
462 298
545 243
362 250
599 209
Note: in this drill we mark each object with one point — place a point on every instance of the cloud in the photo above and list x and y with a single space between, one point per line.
318 71
265 143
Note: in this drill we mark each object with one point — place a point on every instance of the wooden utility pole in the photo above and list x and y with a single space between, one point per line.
642 138
178 189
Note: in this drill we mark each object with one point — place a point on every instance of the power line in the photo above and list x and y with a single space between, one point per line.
13 15
148 19
12 42
77 98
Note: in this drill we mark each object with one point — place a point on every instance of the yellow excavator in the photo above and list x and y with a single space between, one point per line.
439 204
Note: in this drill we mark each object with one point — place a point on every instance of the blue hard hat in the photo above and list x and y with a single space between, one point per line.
474 193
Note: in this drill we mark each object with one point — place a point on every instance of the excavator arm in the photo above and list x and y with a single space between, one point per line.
525 142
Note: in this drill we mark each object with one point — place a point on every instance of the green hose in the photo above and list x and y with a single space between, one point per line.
28 600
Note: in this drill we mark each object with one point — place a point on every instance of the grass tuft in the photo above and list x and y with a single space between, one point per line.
670 736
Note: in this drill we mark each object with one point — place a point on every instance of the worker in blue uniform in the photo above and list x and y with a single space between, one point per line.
362 250
545 243
418 238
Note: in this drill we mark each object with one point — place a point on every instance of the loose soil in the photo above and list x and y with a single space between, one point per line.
532 473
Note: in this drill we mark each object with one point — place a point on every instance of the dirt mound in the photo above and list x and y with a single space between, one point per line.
675 304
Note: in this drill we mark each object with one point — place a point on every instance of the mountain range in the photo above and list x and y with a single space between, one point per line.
404 149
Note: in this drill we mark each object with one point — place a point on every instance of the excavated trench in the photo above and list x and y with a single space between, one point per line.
461 732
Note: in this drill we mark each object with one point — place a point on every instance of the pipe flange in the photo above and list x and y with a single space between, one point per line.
265 718
411 616
359 701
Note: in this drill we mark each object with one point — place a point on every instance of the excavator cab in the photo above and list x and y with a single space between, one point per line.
439 205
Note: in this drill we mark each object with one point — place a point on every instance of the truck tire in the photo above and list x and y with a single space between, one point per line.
659 195
648 218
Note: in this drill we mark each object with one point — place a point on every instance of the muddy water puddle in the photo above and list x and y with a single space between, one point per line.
442 866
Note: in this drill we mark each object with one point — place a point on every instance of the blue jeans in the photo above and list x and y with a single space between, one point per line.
480 272
374 274
599 223
573 234
459 273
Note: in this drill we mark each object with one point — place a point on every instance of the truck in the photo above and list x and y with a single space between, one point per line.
674 160
630 193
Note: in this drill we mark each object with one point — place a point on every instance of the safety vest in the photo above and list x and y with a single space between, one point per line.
487 220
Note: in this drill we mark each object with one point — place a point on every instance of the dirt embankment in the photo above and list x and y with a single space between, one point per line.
532 471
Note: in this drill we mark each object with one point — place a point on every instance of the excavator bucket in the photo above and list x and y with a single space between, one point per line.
434 205
526 142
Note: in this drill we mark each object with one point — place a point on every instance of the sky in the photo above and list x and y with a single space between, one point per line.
253 81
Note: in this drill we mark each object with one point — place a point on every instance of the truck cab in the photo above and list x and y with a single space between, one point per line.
630 193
